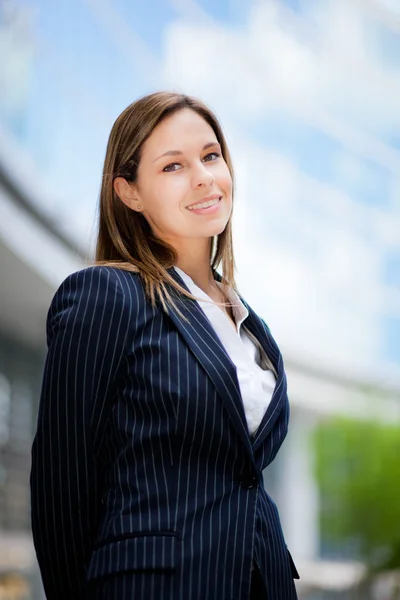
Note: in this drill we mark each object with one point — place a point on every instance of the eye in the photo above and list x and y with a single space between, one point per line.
170 168
216 154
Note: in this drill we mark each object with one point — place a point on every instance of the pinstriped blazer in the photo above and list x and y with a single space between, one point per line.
145 482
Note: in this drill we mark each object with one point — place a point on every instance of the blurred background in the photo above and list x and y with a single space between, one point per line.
308 92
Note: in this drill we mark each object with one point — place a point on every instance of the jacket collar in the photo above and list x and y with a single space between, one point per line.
279 397
202 340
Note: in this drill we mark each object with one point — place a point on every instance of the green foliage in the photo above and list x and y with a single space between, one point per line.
358 472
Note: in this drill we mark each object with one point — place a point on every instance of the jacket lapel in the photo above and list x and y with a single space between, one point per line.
279 396
202 340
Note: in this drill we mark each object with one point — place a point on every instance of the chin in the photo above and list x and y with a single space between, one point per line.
211 232
218 229
210 229
216 226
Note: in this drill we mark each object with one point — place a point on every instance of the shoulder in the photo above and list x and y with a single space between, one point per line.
98 280
97 290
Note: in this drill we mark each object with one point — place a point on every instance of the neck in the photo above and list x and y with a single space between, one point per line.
197 265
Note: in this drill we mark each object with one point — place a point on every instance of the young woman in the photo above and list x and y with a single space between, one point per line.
164 394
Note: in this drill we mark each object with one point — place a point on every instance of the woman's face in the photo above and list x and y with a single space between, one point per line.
183 187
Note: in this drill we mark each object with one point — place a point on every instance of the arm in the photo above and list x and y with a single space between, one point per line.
87 327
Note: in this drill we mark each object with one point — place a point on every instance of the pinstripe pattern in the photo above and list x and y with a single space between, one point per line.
145 481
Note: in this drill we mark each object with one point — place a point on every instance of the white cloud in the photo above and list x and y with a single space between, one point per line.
332 64
275 63
391 6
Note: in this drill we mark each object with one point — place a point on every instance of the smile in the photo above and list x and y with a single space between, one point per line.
203 205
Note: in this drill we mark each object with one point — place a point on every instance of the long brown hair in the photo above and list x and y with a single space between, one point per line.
125 239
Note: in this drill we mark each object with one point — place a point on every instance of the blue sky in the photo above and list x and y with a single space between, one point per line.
307 94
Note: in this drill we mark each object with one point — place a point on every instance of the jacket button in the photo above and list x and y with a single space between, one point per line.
248 481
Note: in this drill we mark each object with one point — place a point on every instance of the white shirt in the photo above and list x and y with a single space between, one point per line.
256 385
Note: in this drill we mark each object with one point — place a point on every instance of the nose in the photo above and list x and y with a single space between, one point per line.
202 177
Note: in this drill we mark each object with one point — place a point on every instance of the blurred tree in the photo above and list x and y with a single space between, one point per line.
358 472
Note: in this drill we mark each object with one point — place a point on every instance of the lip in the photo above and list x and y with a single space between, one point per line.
210 210
205 199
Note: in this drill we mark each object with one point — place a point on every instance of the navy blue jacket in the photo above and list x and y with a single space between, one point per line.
145 482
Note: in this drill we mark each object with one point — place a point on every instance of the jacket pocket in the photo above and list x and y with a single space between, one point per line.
139 552
295 573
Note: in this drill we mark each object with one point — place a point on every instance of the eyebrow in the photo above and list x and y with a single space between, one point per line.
178 152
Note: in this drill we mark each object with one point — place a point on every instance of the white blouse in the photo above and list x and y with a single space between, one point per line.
256 385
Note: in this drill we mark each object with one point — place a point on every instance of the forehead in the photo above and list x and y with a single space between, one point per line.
184 129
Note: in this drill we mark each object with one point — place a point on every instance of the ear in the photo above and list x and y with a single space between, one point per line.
127 193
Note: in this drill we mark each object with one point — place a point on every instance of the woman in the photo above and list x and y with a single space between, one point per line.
164 394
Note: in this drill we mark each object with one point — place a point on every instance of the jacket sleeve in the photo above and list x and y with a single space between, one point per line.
87 329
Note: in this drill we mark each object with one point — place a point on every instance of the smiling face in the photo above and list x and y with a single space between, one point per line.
183 186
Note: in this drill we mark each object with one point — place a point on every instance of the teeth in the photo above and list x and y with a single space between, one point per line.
204 204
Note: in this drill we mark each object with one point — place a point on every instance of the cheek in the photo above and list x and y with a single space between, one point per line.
161 198
225 180
164 203
226 186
